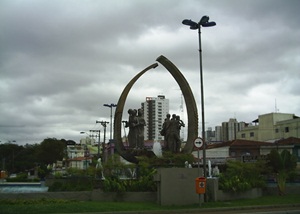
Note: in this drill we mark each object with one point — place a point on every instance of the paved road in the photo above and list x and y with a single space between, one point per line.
214 211
257 210
280 209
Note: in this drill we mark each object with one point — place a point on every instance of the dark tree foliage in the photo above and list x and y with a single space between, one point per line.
9 153
51 150
16 158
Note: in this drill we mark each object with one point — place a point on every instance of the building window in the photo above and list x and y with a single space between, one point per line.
251 134
276 130
243 135
286 129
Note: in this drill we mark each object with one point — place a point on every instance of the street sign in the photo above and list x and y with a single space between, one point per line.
198 142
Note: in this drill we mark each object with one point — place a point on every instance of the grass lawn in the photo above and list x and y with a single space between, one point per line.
64 206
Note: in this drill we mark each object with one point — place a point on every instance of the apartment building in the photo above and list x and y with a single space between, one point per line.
272 127
227 131
155 111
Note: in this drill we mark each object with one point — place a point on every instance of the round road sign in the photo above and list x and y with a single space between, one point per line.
198 142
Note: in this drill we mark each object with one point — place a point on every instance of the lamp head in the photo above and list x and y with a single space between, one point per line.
204 21
193 25
209 24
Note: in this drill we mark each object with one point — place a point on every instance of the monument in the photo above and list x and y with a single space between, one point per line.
171 135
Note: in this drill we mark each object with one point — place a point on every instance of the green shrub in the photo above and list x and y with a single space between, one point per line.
120 177
240 177
143 182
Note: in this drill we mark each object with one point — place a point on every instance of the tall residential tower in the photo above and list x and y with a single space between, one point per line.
155 111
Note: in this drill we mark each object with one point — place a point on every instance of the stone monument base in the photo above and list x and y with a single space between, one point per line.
176 186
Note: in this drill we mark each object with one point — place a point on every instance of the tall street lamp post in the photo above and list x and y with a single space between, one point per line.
110 106
204 22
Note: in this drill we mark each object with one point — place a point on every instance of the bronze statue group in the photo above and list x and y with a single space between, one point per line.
136 123
170 130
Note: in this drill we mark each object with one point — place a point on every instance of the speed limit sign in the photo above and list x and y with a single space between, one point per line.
198 142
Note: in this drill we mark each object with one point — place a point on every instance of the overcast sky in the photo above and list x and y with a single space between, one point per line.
60 61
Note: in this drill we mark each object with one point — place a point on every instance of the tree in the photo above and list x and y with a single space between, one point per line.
26 159
282 164
51 150
16 158
9 153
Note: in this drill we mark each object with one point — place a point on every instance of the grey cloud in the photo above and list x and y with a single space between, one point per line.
61 61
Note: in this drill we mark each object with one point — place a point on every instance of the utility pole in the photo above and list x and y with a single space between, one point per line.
103 123
98 133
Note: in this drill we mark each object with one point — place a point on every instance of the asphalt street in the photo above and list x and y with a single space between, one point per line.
274 209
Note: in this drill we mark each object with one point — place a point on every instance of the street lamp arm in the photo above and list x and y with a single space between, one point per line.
82 132
103 123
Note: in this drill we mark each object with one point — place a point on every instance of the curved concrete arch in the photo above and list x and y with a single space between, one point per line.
118 117
188 97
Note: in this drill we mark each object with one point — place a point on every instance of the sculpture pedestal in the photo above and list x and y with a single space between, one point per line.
176 186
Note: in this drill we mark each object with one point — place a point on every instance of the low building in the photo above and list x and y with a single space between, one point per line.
240 148
80 162
290 144
272 127
79 156
246 150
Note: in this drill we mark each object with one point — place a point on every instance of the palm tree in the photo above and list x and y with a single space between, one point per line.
282 164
